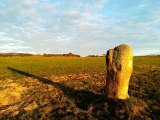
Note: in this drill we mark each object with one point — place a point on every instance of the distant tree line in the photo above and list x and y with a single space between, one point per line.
57 55
61 55
15 54
151 56
30 55
96 55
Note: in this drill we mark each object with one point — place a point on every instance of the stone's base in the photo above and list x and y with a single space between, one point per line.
119 69
122 97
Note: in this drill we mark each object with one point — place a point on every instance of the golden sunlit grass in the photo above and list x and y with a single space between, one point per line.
73 88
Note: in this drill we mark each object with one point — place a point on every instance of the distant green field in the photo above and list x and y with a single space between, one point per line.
73 88
46 66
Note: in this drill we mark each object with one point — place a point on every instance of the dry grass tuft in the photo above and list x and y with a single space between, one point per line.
10 92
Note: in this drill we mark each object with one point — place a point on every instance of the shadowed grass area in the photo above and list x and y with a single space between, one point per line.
81 98
132 108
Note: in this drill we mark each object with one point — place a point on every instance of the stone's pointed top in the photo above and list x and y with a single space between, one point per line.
119 68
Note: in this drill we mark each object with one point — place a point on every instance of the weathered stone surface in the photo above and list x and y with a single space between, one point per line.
119 69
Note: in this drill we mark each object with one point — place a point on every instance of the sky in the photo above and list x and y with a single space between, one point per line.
84 27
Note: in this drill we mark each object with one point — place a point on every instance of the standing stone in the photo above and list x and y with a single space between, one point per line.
119 69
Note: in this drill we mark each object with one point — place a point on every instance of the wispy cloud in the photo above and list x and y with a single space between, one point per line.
79 26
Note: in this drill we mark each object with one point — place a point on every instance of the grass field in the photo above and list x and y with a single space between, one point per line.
73 88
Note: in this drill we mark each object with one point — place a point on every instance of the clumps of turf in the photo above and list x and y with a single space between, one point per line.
133 108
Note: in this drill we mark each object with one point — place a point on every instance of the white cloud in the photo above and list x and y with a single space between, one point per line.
27 2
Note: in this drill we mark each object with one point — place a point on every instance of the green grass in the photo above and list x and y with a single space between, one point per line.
73 88
44 66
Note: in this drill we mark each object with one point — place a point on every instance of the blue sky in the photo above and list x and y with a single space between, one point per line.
82 27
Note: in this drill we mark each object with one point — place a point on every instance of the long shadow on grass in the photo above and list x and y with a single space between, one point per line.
82 98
